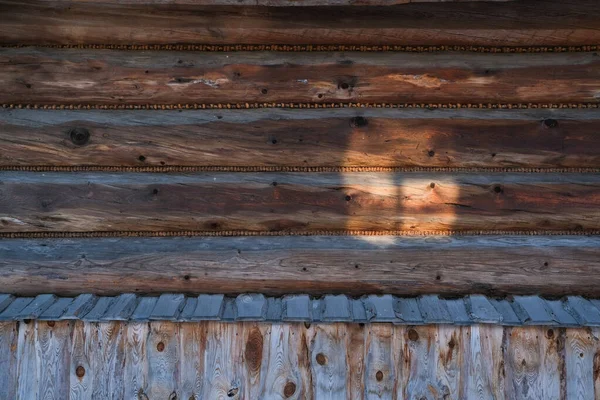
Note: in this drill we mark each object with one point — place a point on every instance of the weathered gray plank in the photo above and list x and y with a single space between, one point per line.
483 370
532 310
407 309
255 339
470 263
296 308
100 307
224 357
28 367
532 364
380 370
583 310
336 308
9 335
54 346
328 361
450 361
81 373
379 308
163 360
579 359
5 300
108 360
192 349
135 373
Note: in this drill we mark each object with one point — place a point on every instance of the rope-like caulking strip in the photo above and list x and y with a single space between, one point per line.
239 106
318 48
337 169
229 233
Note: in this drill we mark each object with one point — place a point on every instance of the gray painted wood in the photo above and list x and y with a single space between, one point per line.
99 309
433 309
81 305
458 311
209 307
481 310
56 310
12 311
509 317
532 310
36 307
583 310
296 308
168 307
5 300
407 310
121 308
336 308
144 309
561 316
379 308
251 307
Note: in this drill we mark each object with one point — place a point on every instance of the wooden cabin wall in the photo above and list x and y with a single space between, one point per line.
214 360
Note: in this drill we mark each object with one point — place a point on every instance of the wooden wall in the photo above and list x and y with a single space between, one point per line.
212 360
442 148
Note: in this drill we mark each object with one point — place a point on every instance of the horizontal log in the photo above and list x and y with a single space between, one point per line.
273 3
71 76
297 202
522 23
352 265
302 138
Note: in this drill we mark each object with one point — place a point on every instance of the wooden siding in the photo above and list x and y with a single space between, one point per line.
317 265
278 138
519 23
104 77
210 360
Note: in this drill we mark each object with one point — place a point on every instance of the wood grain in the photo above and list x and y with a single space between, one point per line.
135 372
9 335
431 362
274 3
534 22
163 351
108 360
303 138
54 345
103 77
271 202
315 265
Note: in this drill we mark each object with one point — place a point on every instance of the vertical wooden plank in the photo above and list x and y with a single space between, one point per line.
224 362
399 347
329 361
287 362
81 374
135 379
27 362
163 360
256 339
192 337
483 363
420 362
355 341
596 336
107 359
380 370
532 364
9 335
54 347
580 351
450 360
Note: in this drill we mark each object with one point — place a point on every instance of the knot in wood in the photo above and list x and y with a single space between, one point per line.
321 359
550 123
79 136
80 371
289 389
413 335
